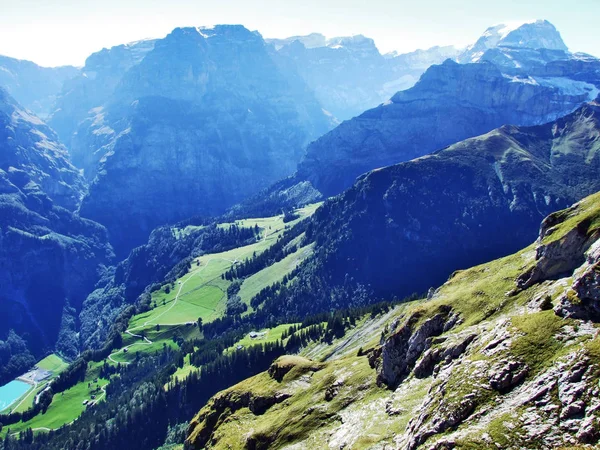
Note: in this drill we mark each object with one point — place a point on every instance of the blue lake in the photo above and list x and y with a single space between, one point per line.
10 393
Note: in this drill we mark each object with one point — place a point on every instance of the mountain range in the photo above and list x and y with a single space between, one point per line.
193 235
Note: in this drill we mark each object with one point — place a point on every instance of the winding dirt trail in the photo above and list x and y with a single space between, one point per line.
152 321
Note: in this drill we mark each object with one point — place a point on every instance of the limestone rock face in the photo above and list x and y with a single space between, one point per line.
206 119
558 256
400 352
583 300
92 86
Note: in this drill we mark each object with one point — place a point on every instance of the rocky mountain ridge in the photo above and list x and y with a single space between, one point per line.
450 102
474 201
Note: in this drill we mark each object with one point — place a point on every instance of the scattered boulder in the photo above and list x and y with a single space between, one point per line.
508 375
285 364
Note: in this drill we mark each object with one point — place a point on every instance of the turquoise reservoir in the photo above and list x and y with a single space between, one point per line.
11 392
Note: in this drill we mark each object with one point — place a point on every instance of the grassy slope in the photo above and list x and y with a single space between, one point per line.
272 274
52 363
264 336
65 406
202 295
478 294
204 292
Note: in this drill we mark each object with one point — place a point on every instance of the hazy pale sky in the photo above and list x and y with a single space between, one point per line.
57 32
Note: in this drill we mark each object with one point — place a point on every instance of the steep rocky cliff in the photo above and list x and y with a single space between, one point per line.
29 145
450 102
50 258
91 88
482 363
206 119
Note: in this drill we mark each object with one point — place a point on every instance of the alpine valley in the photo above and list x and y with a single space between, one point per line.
215 240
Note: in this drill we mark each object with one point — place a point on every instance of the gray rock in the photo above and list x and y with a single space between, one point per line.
582 300
401 350
508 375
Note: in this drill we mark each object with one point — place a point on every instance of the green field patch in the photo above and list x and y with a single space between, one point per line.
272 274
264 336
66 406
53 363
164 335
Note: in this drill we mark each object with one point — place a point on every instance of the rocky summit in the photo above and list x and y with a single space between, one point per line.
34 87
204 120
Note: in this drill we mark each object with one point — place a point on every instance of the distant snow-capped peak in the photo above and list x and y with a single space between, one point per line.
534 34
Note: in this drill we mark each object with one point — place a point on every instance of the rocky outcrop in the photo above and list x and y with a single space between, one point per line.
568 245
582 299
507 375
556 256
446 352
400 351
285 364
221 407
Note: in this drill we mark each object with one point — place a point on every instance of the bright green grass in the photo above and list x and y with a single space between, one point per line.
65 406
54 364
182 372
201 301
161 337
270 335
587 213
266 277
202 290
